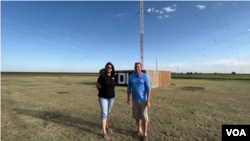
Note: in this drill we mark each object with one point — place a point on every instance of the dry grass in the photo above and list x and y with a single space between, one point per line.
48 108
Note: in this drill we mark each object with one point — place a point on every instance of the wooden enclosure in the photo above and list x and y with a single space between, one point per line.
164 78
156 78
159 78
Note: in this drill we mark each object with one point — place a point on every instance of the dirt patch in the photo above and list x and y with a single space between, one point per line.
62 92
44 124
6 92
191 88
30 85
50 115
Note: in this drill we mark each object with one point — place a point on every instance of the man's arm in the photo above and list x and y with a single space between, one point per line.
128 97
148 89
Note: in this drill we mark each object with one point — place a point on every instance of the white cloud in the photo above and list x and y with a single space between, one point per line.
168 9
165 9
201 6
248 29
220 4
154 65
154 10
228 63
216 5
119 15
162 17
205 67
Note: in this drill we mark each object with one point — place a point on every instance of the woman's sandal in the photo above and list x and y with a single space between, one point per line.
137 134
105 136
109 129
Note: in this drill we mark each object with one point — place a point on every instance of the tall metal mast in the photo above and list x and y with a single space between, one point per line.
142 32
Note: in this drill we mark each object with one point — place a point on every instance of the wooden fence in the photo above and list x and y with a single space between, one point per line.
164 78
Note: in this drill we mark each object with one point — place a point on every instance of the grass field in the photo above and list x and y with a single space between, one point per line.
212 76
48 108
173 75
32 74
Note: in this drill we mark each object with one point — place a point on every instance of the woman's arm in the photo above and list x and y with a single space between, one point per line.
98 86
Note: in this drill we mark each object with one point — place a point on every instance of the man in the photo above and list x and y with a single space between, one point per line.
139 82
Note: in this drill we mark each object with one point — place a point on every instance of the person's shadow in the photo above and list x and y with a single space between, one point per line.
88 83
60 118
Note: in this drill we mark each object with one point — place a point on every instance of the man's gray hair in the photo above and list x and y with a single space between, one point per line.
137 63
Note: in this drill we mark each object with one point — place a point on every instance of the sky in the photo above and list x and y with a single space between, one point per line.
82 36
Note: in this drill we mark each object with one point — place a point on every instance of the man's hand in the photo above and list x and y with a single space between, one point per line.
148 104
128 101
128 98
148 100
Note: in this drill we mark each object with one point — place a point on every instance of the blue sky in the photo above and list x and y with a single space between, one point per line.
46 36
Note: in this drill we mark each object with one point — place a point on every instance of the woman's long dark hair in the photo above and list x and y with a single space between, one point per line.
113 69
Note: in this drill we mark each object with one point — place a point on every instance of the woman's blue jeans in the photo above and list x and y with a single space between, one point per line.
106 105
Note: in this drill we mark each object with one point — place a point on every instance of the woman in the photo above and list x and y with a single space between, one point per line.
106 96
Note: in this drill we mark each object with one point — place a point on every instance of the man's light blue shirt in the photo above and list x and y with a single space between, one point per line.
140 86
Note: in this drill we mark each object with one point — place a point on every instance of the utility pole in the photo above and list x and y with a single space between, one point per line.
142 32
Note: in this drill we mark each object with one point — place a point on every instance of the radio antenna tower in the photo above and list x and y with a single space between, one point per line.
142 32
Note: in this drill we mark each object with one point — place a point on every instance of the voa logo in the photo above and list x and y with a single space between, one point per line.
236 132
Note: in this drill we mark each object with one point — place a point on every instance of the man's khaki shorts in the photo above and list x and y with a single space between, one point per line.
140 110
